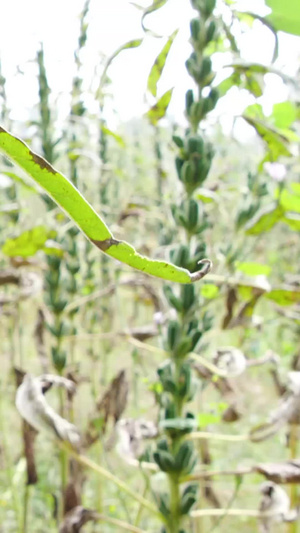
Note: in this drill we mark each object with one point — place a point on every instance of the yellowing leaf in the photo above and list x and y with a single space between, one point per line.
158 66
159 110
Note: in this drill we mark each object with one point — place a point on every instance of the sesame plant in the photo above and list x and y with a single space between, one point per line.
174 454
230 204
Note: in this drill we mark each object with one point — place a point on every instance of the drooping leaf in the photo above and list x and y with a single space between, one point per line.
285 15
134 43
159 110
63 192
156 4
243 15
254 269
276 141
32 241
264 219
158 66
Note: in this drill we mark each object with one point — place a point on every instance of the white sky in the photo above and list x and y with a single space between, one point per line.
23 25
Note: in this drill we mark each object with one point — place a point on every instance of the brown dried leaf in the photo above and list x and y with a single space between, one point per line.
283 472
33 407
39 336
113 402
29 435
76 519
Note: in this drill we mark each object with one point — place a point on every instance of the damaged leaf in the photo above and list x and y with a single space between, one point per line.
158 66
33 407
132 434
63 192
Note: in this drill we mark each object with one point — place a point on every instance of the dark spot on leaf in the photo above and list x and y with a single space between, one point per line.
106 244
43 164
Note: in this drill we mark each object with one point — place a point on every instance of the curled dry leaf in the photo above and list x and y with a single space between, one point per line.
76 518
31 284
283 472
231 360
39 337
131 435
109 406
33 407
275 504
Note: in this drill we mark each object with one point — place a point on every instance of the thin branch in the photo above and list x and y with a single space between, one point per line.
213 473
199 513
120 523
215 436
105 473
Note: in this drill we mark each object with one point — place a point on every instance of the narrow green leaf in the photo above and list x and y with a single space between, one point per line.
158 66
206 196
275 140
114 135
254 269
264 220
63 192
159 110
156 4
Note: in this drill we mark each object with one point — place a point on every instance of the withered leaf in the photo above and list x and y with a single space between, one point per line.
33 407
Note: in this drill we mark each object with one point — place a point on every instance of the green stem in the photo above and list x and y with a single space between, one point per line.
111 477
174 521
293 442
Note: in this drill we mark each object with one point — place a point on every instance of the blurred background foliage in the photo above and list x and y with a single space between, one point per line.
69 310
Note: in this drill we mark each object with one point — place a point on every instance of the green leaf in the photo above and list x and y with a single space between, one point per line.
264 219
275 139
156 4
288 296
159 110
288 201
209 291
30 242
158 66
285 15
63 192
134 43
292 220
115 136
253 269
206 419
295 188
284 114
206 196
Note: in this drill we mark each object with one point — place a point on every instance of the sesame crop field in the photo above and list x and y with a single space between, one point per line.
149 267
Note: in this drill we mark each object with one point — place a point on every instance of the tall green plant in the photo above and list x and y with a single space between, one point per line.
174 454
